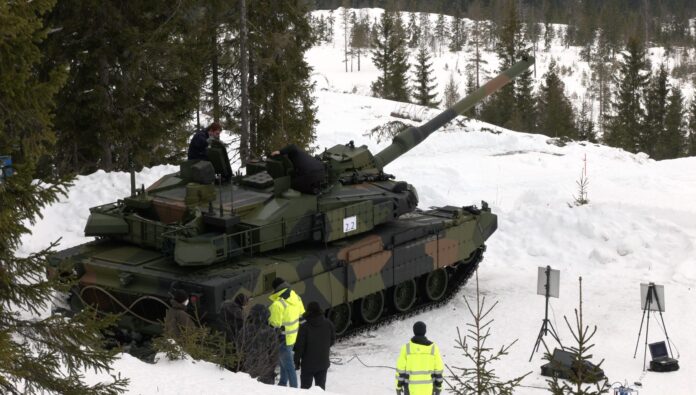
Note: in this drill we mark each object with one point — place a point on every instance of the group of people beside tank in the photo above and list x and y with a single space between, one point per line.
284 334
287 335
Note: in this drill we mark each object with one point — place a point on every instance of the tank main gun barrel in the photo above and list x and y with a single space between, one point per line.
414 135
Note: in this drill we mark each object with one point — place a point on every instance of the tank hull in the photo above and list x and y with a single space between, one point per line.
135 282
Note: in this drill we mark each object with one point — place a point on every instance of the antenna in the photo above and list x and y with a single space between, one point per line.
219 178
132 173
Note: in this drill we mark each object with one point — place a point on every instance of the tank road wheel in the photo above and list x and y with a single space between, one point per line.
436 284
371 307
404 295
340 317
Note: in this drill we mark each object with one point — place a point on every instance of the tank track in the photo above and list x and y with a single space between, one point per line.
462 273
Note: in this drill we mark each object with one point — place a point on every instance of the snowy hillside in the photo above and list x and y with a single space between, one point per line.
640 226
330 69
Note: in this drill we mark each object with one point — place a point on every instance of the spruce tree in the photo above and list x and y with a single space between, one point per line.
622 128
451 92
456 31
672 143
481 378
513 105
691 142
37 354
656 108
585 123
413 30
425 29
477 41
391 59
280 87
133 81
556 117
360 35
424 89
441 32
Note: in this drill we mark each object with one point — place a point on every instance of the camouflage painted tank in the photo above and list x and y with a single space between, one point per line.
359 247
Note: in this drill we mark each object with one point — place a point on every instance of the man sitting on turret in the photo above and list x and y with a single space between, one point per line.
309 171
198 148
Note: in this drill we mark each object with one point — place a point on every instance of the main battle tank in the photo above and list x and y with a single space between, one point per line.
359 246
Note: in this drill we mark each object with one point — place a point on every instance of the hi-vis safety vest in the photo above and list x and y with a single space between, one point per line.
286 313
419 369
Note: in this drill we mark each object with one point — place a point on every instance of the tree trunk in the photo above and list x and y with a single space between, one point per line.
215 78
244 137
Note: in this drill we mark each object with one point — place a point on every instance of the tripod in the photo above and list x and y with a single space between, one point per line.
650 299
546 324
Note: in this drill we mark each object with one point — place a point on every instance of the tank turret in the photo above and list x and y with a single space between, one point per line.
358 237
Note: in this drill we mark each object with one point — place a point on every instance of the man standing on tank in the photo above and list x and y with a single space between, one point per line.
309 171
198 147
286 309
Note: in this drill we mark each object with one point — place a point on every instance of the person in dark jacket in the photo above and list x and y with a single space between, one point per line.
198 147
259 346
232 315
316 337
309 171
177 320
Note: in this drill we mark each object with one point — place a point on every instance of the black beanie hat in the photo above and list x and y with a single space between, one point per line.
180 295
313 309
419 328
277 282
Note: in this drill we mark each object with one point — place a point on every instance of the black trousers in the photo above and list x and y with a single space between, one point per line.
319 378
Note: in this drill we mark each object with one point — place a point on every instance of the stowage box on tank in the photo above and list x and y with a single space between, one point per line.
358 246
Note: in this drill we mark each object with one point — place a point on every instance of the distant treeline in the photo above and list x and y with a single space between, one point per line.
625 104
661 22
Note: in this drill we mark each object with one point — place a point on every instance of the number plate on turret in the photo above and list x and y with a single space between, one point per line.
350 224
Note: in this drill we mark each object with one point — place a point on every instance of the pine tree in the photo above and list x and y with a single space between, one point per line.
131 87
451 92
476 40
481 378
513 105
360 36
622 128
440 32
656 109
601 67
280 86
524 116
691 143
556 117
424 82
413 30
585 123
330 21
456 31
391 59
345 18
37 355
425 28
672 143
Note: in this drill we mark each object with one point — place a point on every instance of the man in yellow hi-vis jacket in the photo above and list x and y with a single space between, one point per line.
286 309
419 367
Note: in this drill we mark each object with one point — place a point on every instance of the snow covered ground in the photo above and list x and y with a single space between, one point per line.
639 226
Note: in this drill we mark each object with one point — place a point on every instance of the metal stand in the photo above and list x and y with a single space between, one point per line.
546 324
650 298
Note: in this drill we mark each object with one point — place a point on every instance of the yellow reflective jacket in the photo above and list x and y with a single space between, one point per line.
286 313
419 369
